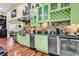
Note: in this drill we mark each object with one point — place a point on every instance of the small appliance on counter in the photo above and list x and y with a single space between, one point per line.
55 31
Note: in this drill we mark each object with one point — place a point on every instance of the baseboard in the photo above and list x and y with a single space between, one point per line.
50 54
33 48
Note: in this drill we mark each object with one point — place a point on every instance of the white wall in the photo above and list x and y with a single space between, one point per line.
1 13
19 9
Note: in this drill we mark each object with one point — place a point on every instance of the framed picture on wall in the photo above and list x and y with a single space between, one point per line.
13 13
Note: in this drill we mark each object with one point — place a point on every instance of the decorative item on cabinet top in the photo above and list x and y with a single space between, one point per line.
37 5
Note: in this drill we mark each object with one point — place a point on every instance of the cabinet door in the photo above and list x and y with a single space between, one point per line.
40 14
53 6
44 43
28 40
24 40
19 38
37 42
41 43
46 12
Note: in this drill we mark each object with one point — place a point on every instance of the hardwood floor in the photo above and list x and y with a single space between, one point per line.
19 50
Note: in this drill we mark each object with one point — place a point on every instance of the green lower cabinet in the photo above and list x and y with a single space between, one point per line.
27 40
41 43
37 43
24 40
44 42
19 38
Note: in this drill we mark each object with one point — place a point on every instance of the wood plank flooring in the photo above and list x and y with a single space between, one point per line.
19 50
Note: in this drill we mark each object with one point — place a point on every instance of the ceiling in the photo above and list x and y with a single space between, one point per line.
4 7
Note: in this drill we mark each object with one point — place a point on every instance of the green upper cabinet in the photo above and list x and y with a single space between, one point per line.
53 6
46 12
31 19
65 5
58 13
40 14
35 20
34 17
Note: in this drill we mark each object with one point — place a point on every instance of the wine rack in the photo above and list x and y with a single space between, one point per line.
3 31
60 14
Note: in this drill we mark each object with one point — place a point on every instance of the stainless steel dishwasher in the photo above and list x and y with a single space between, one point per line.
53 45
32 41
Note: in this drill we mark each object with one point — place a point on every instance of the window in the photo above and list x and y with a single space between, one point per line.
32 6
53 6
65 5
